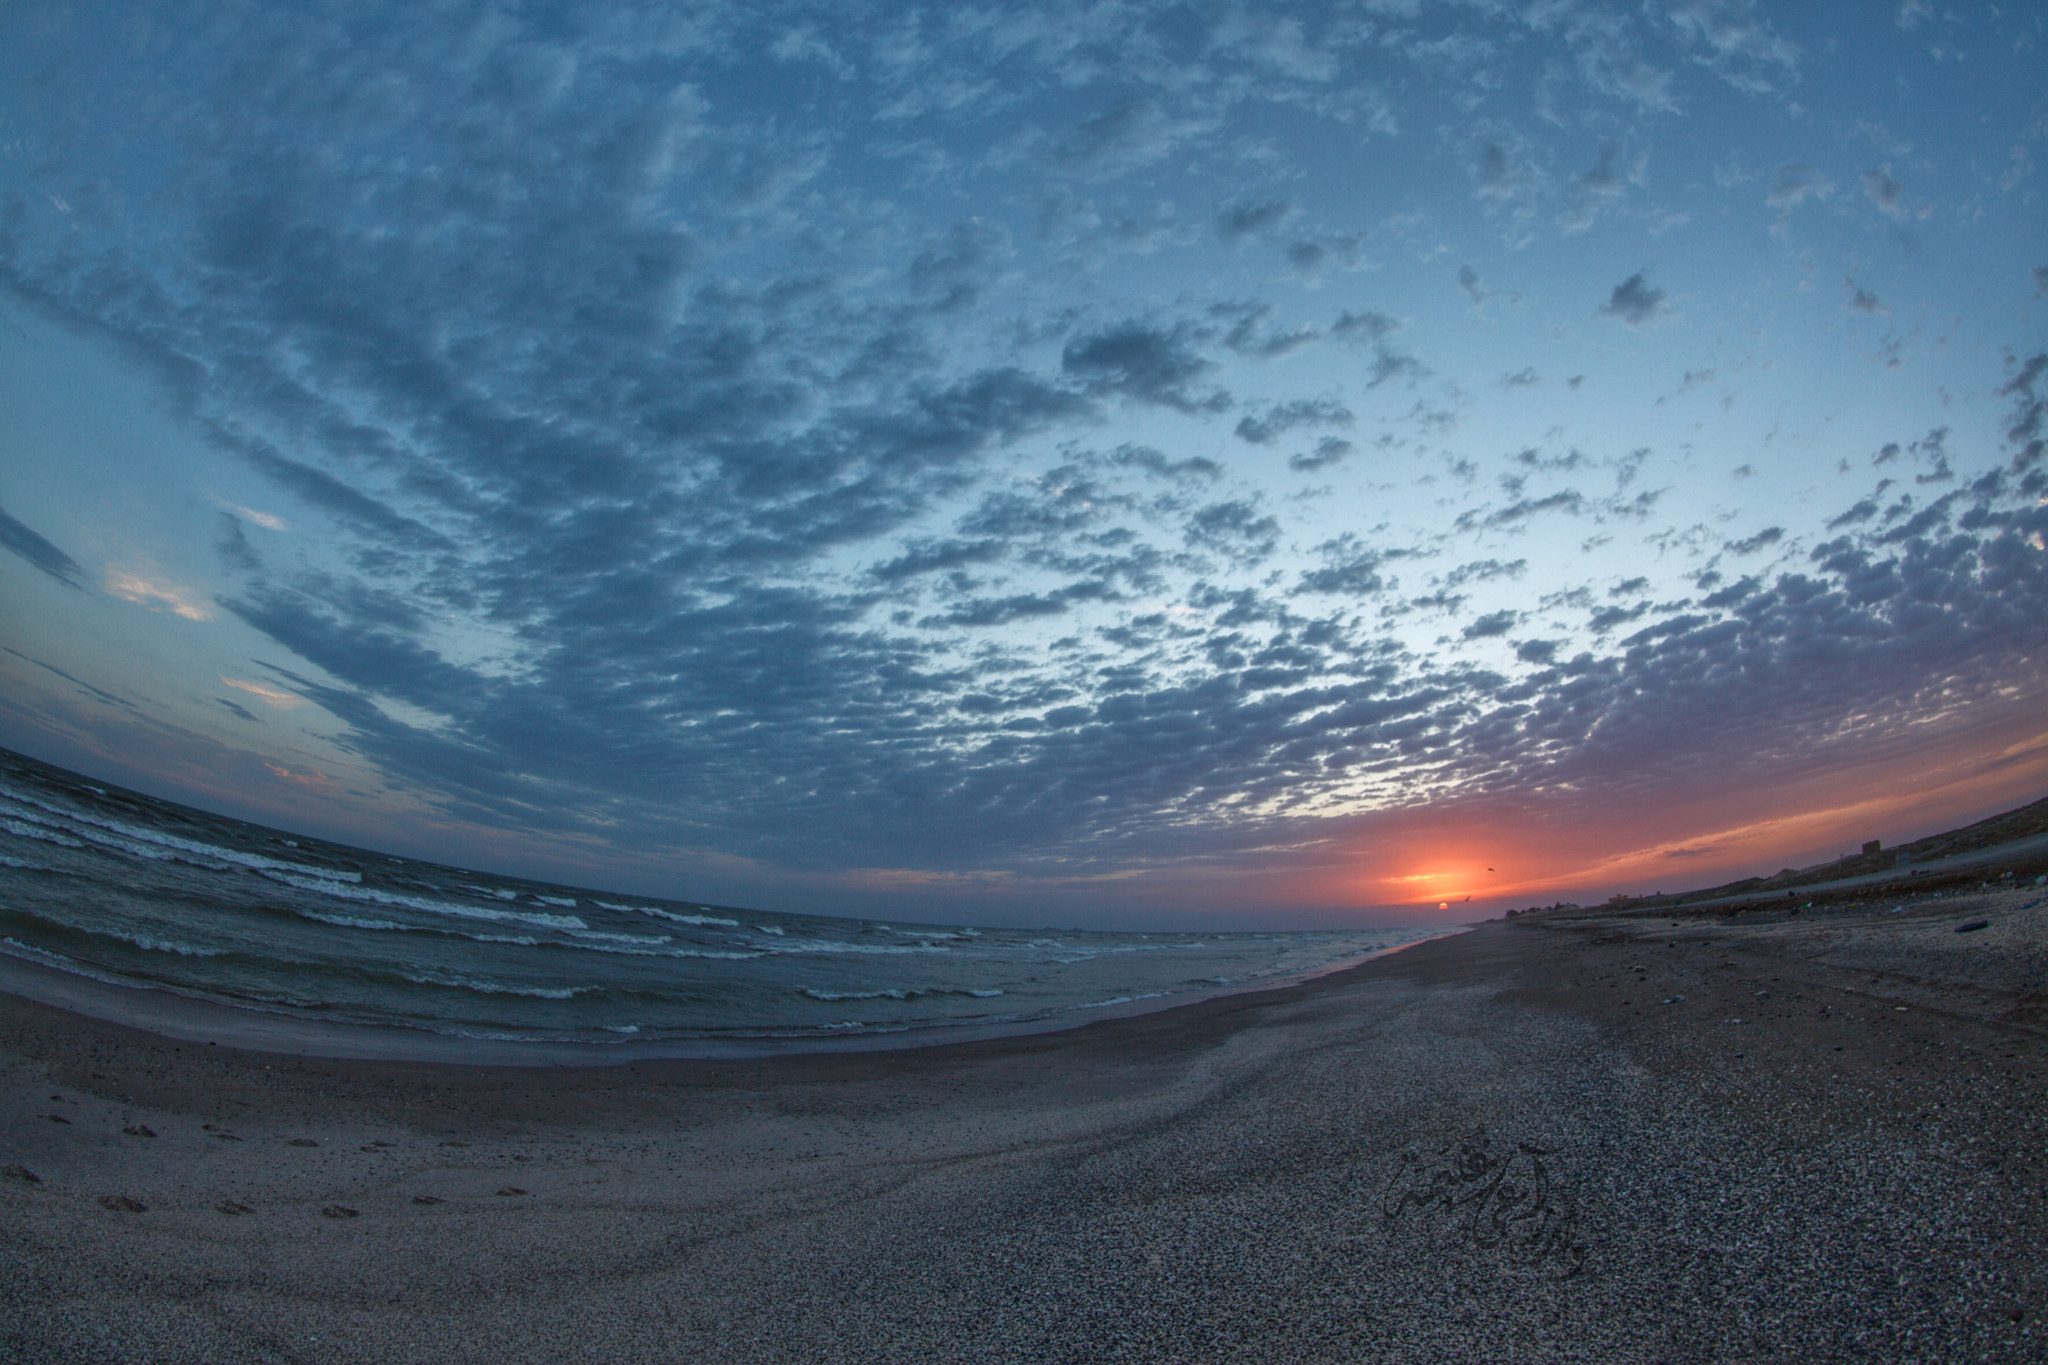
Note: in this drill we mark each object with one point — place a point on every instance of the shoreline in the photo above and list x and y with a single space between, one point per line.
1566 1137
181 1017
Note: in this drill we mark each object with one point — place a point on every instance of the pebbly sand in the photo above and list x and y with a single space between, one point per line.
1570 1136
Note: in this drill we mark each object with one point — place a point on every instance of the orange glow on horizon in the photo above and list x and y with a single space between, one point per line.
1583 847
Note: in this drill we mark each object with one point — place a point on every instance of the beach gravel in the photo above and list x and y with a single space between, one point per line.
1565 1138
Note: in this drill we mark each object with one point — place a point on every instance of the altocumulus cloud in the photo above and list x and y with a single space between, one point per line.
790 470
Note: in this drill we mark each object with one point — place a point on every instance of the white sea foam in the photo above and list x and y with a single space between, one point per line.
467 983
711 954
48 834
157 945
376 897
601 936
769 929
29 952
1120 1000
830 996
566 902
898 993
151 843
832 946
351 922
498 891
672 916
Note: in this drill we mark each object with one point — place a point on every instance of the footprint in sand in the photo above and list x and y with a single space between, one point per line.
426 1199
303 1142
139 1130
511 1189
230 1206
339 1211
121 1203
23 1174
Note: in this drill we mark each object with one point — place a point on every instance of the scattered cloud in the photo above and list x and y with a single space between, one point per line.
155 595
38 551
1885 192
1236 223
1281 418
1861 300
268 693
1796 183
1636 302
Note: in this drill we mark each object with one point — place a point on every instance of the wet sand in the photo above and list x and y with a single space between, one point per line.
1758 1136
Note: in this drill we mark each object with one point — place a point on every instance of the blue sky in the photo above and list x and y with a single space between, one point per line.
1216 463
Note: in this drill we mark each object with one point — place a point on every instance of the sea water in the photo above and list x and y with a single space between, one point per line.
133 891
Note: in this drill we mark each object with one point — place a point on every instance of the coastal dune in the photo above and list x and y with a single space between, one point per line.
1570 1136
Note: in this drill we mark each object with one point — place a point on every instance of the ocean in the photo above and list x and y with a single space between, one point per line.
135 892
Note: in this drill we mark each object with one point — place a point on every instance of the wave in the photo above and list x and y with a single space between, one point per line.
369 893
601 935
624 945
698 920
479 987
900 993
165 845
712 954
793 947
48 834
351 922
157 945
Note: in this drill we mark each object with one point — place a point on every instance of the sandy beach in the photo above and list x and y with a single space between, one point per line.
1764 1135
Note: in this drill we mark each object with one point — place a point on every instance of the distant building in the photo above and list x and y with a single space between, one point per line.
1874 846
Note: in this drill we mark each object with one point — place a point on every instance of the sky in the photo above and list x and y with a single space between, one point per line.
1121 463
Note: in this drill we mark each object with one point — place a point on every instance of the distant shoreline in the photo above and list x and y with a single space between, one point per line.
184 1018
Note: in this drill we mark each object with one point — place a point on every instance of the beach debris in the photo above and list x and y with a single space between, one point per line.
227 1137
1900 1008
229 1206
121 1203
303 1142
1973 926
139 1130
511 1189
23 1174
426 1199
1674 999
57 1118
339 1211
